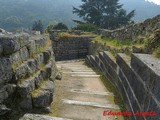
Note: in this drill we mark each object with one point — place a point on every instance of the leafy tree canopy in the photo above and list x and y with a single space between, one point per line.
60 26
104 13
38 26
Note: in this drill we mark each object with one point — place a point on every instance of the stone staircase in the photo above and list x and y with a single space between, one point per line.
27 72
82 95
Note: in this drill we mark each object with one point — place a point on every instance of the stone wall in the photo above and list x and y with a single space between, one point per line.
70 48
134 31
27 72
96 47
136 78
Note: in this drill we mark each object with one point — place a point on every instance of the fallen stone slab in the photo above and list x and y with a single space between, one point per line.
91 104
89 76
92 92
40 117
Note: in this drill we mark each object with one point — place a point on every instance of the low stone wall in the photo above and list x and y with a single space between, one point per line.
27 72
136 78
96 47
134 31
70 48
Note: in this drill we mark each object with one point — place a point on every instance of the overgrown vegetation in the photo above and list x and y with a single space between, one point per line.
153 43
60 26
156 52
49 27
38 26
113 42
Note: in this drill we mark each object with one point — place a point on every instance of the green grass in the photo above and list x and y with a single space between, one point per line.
114 43
156 52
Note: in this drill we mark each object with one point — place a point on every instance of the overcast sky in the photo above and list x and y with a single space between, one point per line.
155 1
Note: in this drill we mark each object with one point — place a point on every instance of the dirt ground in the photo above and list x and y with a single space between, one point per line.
83 94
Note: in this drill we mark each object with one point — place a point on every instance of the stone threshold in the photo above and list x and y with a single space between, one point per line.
92 92
91 104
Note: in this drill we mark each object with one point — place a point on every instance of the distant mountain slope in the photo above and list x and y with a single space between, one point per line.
22 13
143 8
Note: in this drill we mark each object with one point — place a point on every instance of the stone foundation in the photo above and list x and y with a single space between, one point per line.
27 72
69 48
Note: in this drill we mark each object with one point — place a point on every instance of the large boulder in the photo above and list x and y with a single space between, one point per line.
10 45
42 99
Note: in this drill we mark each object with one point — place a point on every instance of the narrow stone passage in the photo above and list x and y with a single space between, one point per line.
82 94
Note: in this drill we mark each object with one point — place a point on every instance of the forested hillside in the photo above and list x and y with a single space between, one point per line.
22 13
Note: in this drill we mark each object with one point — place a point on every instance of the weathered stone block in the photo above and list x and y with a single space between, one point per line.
21 72
110 59
50 69
9 45
3 95
31 47
40 58
41 75
33 65
1 49
47 55
26 104
148 68
24 54
6 72
23 40
6 91
15 58
4 110
48 86
26 87
42 99
132 82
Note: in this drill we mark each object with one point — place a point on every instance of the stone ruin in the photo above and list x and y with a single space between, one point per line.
134 31
27 72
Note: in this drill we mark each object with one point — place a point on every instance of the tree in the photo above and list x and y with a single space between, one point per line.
38 26
87 27
104 13
60 26
49 27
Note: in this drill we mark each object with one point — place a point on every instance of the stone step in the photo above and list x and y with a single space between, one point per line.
91 104
88 76
80 73
26 86
85 97
27 68
79 112
79 70
92 92
40 117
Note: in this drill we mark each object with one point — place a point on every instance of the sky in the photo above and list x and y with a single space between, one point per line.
154 1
